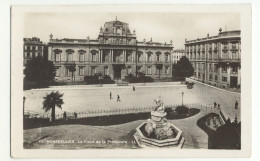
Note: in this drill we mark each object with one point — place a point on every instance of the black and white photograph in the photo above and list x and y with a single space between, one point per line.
116 79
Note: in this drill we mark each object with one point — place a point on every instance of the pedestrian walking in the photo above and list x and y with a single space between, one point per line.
110 95
236 105
118 98
215 105
64 115
75 115
219 106
133 88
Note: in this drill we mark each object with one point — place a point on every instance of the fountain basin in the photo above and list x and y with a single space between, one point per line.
144 141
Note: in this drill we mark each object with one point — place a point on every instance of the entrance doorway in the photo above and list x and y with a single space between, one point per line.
117 73
233 82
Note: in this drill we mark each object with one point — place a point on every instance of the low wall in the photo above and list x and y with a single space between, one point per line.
116 85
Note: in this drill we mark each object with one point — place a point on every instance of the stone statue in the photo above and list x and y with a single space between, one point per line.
159 105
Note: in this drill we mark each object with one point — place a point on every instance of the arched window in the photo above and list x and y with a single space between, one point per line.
139 56
81 55
57 55
167 57
69 55
149 56
158 56
118 31
94 56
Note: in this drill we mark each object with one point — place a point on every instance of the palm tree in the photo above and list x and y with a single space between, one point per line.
51 101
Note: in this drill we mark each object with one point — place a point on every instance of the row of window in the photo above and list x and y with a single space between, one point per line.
32 54
224 79
225 55
94 70
29 47
118 40
157 58
116 57
234 45
224 68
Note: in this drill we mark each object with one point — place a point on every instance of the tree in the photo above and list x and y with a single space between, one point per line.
51 101
183 68
227 136
39 70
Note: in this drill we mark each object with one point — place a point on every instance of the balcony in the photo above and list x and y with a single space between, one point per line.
229 60
118 62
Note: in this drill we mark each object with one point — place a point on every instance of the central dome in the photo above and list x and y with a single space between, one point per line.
116 27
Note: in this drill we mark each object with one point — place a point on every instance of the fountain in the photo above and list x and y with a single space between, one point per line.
157 132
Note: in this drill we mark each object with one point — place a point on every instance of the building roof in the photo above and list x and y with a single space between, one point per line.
33 40
179 51
221 35
109 27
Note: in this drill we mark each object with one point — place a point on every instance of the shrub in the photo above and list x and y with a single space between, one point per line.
182 109
95 79
141 78
168 110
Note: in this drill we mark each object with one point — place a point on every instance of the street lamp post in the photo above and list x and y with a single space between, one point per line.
182 97
24 98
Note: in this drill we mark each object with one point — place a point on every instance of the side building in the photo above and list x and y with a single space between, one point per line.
33 47
216 59
177 54
116 52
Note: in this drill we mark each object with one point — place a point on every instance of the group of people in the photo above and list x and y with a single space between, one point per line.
65 115
218 105
118 97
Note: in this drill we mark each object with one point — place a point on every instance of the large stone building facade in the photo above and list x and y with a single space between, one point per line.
216 59
116 52
33 47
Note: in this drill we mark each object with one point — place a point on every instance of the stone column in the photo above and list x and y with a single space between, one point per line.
101 56
219 75
238 76
170 57
50 53
229 52
197 70
109 56
220 50
228 75
112 56
207 73
124 55
239 51
132 56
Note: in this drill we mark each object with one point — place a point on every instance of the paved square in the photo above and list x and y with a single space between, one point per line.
97 98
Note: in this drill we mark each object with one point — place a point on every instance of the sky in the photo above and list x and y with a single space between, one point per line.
161 26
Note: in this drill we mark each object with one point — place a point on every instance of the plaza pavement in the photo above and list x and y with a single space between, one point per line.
97 98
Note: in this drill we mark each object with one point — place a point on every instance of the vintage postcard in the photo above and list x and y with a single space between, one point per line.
131 81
